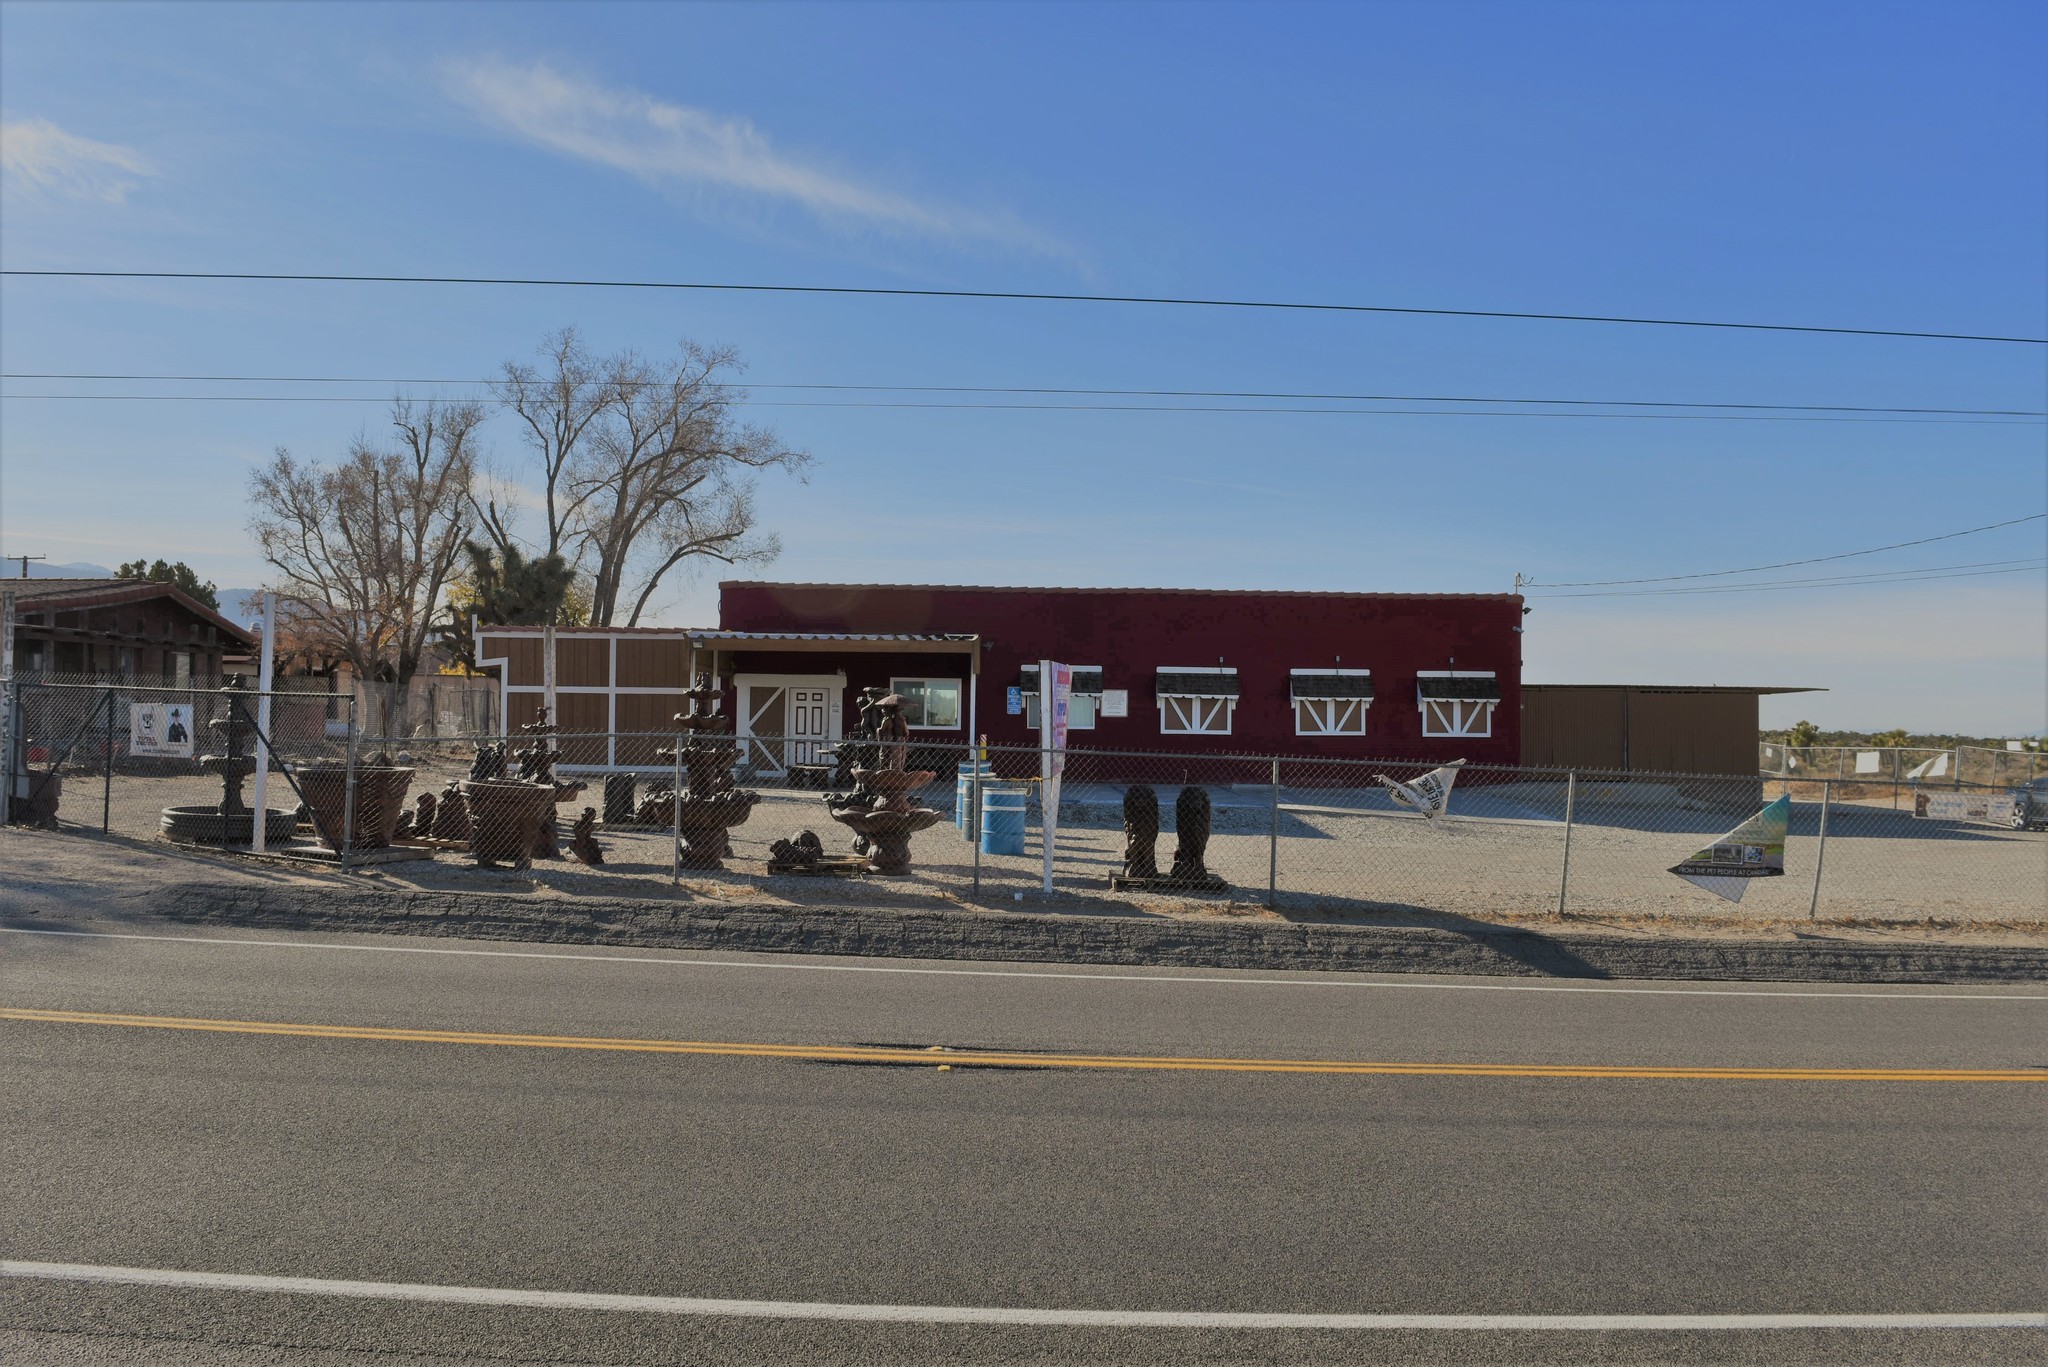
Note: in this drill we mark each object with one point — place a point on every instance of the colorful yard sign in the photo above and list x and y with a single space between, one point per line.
1429 795
1755 849
161 729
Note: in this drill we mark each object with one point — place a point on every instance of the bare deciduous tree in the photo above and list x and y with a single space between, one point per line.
644 466
363 548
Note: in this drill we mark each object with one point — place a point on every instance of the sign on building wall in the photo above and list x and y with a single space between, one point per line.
1116 702
1013 702
161 729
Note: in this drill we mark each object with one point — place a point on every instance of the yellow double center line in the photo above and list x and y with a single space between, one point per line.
996 1058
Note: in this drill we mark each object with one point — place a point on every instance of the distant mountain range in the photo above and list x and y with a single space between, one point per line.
240 606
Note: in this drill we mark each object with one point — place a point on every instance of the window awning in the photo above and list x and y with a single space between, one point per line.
1485 688
1178 683
1331 684
1085 680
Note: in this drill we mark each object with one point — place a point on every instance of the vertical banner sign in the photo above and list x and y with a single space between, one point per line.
1055 692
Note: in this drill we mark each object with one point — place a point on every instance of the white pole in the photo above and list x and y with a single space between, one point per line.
264 669
7 718
1048 800
547 667
973 822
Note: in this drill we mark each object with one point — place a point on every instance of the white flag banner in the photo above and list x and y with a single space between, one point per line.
1430 794
1930 768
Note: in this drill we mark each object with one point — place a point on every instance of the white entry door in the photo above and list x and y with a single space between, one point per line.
810 728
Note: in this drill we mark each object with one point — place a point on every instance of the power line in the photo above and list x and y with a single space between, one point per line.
1101 393
1789 564
1107 408
1836 582
1038 296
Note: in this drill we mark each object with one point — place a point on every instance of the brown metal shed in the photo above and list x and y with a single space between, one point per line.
1636 728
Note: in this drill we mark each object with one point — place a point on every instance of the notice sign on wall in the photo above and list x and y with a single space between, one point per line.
160 728
1116 702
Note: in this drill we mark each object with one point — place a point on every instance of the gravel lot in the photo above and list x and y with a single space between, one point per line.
1341 856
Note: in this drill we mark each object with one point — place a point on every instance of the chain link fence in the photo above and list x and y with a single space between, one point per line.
1304 836
116 757
1896 771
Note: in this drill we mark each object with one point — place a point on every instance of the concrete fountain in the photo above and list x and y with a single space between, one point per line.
230 821
710 806
879 811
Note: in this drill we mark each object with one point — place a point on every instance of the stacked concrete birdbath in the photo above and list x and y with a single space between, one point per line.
887 820
229 822
710 806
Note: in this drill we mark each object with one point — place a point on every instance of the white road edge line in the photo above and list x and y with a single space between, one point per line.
1906 994
975 1314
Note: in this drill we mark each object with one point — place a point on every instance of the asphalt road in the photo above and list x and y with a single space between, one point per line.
870 1180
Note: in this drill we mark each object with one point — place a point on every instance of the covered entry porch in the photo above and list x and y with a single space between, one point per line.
794 694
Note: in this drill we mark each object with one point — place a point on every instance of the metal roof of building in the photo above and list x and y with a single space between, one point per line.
1198 593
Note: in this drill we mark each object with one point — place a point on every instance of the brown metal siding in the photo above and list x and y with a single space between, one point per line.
521 654
1574 728
653 664
1691 733
583 661
1639 730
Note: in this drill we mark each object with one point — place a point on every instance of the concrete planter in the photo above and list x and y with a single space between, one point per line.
506 817
380 801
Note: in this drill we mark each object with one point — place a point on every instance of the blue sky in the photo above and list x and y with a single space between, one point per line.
1860 165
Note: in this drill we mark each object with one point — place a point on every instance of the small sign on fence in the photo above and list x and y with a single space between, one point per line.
162 729
1963 806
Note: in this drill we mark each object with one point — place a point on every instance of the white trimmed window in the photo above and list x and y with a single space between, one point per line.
1457 703
1330 702
1084 699
929 704
1196 701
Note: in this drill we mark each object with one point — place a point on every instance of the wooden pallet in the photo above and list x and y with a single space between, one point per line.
831 866
416 843
1165 883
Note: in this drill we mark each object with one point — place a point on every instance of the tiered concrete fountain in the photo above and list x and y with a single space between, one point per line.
229 822
710 806
887 820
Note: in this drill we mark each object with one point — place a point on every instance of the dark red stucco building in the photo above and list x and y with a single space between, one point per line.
1433 676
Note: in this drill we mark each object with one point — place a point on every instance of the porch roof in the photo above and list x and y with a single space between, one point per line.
844 643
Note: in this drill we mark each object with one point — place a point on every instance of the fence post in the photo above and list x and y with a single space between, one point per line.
107 768
1564 875
974 814
1820 853
675 809
1273 846
348 794
10 705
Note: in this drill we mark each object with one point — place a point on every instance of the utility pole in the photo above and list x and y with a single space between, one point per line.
24 559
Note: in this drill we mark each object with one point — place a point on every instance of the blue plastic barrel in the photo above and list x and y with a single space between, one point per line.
1002 818
963 794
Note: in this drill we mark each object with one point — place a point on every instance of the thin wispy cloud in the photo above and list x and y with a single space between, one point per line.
676 146
38 156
